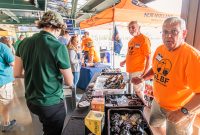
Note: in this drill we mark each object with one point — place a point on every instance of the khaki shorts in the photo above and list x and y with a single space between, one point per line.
6 93
139 88
158 119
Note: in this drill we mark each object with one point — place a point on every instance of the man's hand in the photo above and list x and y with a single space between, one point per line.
136 80
122 63
176 116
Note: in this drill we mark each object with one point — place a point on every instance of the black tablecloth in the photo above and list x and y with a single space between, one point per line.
74 123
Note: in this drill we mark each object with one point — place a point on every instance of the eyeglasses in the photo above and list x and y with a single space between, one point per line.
172 32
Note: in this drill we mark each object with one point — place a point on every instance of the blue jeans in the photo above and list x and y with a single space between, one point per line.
76 77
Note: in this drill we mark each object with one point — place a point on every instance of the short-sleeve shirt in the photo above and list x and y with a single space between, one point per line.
6 71
176 76
138 48
92 52
43 55
85 43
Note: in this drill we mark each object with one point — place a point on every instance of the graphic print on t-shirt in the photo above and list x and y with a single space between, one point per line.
163 68
131 49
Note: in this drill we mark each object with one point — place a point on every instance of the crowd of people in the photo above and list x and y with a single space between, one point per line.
52 57
48 57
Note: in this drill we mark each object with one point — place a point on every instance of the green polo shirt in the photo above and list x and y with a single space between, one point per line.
16 45
43 55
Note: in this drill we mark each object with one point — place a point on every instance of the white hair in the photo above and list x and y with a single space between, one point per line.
175 20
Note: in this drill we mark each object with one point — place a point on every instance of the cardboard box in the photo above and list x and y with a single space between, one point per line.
98 104
94 122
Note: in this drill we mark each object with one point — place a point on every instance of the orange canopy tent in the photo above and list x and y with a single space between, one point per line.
3 32
126 11
6 33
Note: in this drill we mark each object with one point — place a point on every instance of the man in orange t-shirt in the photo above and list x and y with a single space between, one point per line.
138 56
84 44
176 74
93 56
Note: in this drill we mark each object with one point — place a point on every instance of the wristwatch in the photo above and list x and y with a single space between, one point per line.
184 111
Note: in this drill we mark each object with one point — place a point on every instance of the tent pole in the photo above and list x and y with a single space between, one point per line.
113 53
113 37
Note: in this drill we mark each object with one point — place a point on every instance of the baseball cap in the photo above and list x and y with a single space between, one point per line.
52 18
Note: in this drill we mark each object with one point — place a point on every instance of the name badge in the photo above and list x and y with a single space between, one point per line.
159 57
137 45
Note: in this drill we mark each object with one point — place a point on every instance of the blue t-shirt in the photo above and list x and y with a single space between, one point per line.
6 71
63 40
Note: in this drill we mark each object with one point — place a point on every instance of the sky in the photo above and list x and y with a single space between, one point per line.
169 6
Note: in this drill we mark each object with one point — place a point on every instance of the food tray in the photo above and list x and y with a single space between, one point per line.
99 86
111 73
119 124
123 100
